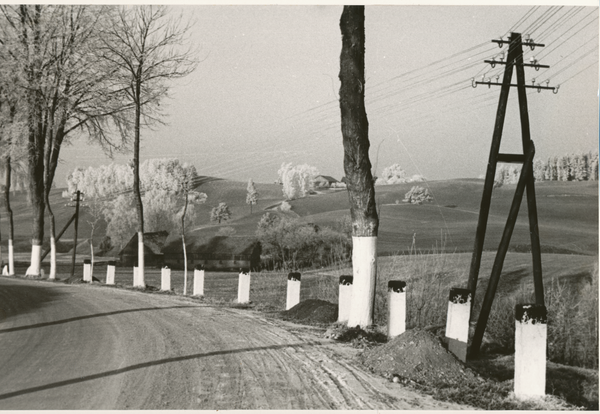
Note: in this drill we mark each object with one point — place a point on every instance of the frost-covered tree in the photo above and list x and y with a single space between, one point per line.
418 195
297 181
220 213
394 174
251 194
148 49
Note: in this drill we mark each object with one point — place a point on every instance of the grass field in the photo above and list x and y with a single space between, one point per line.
568 215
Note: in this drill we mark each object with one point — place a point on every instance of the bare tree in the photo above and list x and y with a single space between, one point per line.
53 53
146 47
357 166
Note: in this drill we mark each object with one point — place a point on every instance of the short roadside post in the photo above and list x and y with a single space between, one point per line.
87 270
397 308
293 290
244 286
345 298
457 322
165 278
198 280
110 273
531 331
135 276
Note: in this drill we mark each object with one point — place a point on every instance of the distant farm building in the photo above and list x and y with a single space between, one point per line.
215 253
324 181
153 246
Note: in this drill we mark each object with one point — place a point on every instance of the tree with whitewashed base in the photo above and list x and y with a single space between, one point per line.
357 166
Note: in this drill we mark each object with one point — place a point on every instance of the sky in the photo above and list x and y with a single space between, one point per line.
266 90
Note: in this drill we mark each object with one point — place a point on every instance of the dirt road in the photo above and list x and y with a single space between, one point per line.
91 347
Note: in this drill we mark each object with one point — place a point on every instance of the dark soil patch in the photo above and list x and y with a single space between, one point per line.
357 337
312 311
419 356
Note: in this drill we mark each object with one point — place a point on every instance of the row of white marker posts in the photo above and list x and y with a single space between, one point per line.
530 320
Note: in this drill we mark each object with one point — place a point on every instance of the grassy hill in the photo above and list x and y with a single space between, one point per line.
568 215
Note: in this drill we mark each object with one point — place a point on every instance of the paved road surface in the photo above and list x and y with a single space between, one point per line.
91 347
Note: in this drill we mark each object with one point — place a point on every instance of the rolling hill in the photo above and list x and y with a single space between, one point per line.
568 215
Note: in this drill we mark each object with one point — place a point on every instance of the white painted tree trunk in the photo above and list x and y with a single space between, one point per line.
139 276
364 269
52 274
184 266
11 258
36 261
92 258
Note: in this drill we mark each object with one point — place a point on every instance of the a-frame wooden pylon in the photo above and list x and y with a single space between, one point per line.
514 60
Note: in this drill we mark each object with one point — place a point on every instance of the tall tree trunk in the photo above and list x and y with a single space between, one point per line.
357 167
185 266
9 213
35 134
139 279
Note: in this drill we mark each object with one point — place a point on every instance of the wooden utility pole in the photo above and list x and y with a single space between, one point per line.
514 60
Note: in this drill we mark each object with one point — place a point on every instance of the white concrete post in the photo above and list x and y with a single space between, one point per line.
345 298
364 271
135 276
244 286
165 278
293 290
531 330
397 308
87 270
199 280
457 322
110 273
11 259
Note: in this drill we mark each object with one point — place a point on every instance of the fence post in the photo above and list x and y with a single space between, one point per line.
165 278
345 298
198 280
87 270
293 290
531 331
110 273
397 308
135 276
244 286
457 322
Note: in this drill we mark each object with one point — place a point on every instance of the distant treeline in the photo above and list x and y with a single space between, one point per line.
572 167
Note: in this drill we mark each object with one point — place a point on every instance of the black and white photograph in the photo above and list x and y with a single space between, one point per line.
294 206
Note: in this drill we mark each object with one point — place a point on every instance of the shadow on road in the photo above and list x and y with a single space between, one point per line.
17 298
146 365
95 315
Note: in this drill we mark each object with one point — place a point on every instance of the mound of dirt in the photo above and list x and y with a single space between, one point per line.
312 311
418 356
